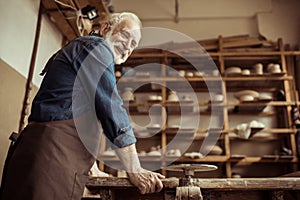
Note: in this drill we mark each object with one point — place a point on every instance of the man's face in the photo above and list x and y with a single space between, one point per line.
123 39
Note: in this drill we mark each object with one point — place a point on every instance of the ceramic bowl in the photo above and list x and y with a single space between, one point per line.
189 74
246 72
118 74
233 70
216 72
198 73
218 97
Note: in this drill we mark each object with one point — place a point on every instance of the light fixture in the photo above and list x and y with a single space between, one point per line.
90 11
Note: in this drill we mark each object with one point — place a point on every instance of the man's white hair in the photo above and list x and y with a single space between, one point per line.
117 18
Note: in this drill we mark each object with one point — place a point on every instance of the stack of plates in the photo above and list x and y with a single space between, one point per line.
246 95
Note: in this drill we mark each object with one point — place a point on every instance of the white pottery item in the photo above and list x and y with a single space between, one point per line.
233 70
127 95
173 96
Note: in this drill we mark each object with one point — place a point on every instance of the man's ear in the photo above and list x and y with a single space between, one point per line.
104 28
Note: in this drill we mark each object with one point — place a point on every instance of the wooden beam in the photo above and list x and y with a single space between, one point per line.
25 107
49 4
63 25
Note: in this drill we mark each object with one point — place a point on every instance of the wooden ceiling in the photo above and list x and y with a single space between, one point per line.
65 15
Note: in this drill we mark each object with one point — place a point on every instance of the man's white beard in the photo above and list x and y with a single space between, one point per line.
118 59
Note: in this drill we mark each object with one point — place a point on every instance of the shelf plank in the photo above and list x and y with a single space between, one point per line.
262 103
242 160
204 159
264 159
273 130
258 54
266 77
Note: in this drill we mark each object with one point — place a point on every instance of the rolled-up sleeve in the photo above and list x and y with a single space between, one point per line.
111 113
96 69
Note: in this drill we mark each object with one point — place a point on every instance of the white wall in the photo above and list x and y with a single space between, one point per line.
18 20
203 19
283 21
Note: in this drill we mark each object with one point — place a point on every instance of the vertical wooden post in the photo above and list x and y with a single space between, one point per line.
288 94
225 109
28 88
163 113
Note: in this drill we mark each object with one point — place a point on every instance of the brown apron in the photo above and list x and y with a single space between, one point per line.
49 163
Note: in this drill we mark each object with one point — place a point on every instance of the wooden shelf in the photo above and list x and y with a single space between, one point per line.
264 159
238 160
204 159
273 110
258 54
243 78
274 131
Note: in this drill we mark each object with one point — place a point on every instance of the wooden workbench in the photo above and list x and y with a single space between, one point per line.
285 188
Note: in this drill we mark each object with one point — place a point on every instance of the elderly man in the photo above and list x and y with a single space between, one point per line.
53 154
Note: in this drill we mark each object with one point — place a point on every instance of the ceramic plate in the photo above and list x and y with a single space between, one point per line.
233 70
246 92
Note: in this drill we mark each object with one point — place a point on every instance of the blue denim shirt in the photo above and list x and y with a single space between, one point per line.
80 79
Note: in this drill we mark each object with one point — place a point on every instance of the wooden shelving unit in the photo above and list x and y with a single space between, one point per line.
225 52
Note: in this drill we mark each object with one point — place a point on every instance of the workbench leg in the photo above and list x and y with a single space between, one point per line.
188 193
278 195
105 194
169 195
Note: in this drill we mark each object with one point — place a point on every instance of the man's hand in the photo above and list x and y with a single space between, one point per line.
95 172
146 181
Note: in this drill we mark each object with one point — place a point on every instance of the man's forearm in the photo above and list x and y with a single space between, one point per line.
129 158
